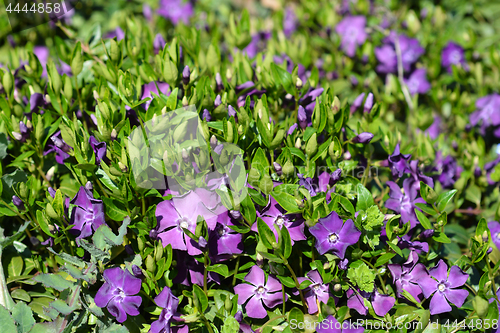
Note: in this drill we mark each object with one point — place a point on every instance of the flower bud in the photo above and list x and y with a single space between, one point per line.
312 145
231 111
206 115
186 73
288 169
137 271
218 101
480 305
218 82
229 75
18 202
185 101
122 167
298 143
298 83
485 236
213 141
302 117
113 134
202 242
368 103
259 260
235 214
337 287
357 102
277 168
153 234
364 137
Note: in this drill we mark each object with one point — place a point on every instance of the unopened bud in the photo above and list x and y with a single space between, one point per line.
96 95
50 174
337 287
18 202
186 73
298 143
89 186
185 101
218 101
213 141
485 236
229 74
277 168
113 134
235 214
122 167
218 82
298 83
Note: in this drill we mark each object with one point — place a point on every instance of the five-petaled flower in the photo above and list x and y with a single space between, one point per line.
259 292
352 33
169 303
445 287
87 214
117 293
316 292
332 234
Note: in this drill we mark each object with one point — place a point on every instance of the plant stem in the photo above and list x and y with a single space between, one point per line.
297 284
236 270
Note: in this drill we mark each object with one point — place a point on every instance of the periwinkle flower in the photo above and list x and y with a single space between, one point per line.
158 43
178 213
258 292
176 10
37 101
357 102
331 325
309 102
118 33
494 227
488 112
289 21
404 203
410 276
88 213
352 33
169 303
219 85
368 103
56 144
218 101
418 176
99 149
292 129
153 87
206 115
364 137
332 234
23 134
224 240
190 271
448 169
417 82
186 73
316 292
453 54
231 112
274 215
381 303
307 182
386 55
398 162
18 202
302 117
117 293
247 89
444 288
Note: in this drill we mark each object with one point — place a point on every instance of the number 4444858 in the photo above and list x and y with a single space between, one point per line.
35 8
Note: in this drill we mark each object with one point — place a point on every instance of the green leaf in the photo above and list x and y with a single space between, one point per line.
427 193
286 242
3 146
283 78
473 194
444 198
53 281
115 209
201 299
424 221
23 316
441 237
220 269
287 201
77 59
295 316
231 325
287 281
384 259
365 198
271 257
361 275
21 294
6 320
16 266
266 235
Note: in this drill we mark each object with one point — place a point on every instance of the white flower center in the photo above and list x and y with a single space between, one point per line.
261 290
279 221
316 287
333 238
441 287
498 236
222 232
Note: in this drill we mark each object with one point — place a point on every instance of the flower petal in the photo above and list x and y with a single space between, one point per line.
255 309
130 284
117 310
456 296
382 304
439 304
440 271
273 299
131 305
114 276
457 277
174 237
244 292
104 295
273 284
256 276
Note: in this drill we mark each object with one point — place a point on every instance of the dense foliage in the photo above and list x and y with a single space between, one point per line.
266 166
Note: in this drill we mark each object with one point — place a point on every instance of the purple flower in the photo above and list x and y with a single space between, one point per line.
405 242
178 213
444 288
332 234
488 111
289 21
398 162
352 32
169 303
23 134
357 102
409 276
316 292
258 292
224 240
118 33
186 73
308 184
448 169
247 89
176 10
381 303
37 101
453 54
368 103
418 176
150 88
190 271
274 214
386 55
364 137
417 82
331 325
117 293
435 129
404 204
206 115
302 117
99 149
292 129
56 144
158 43
88 213
18 202
494 227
